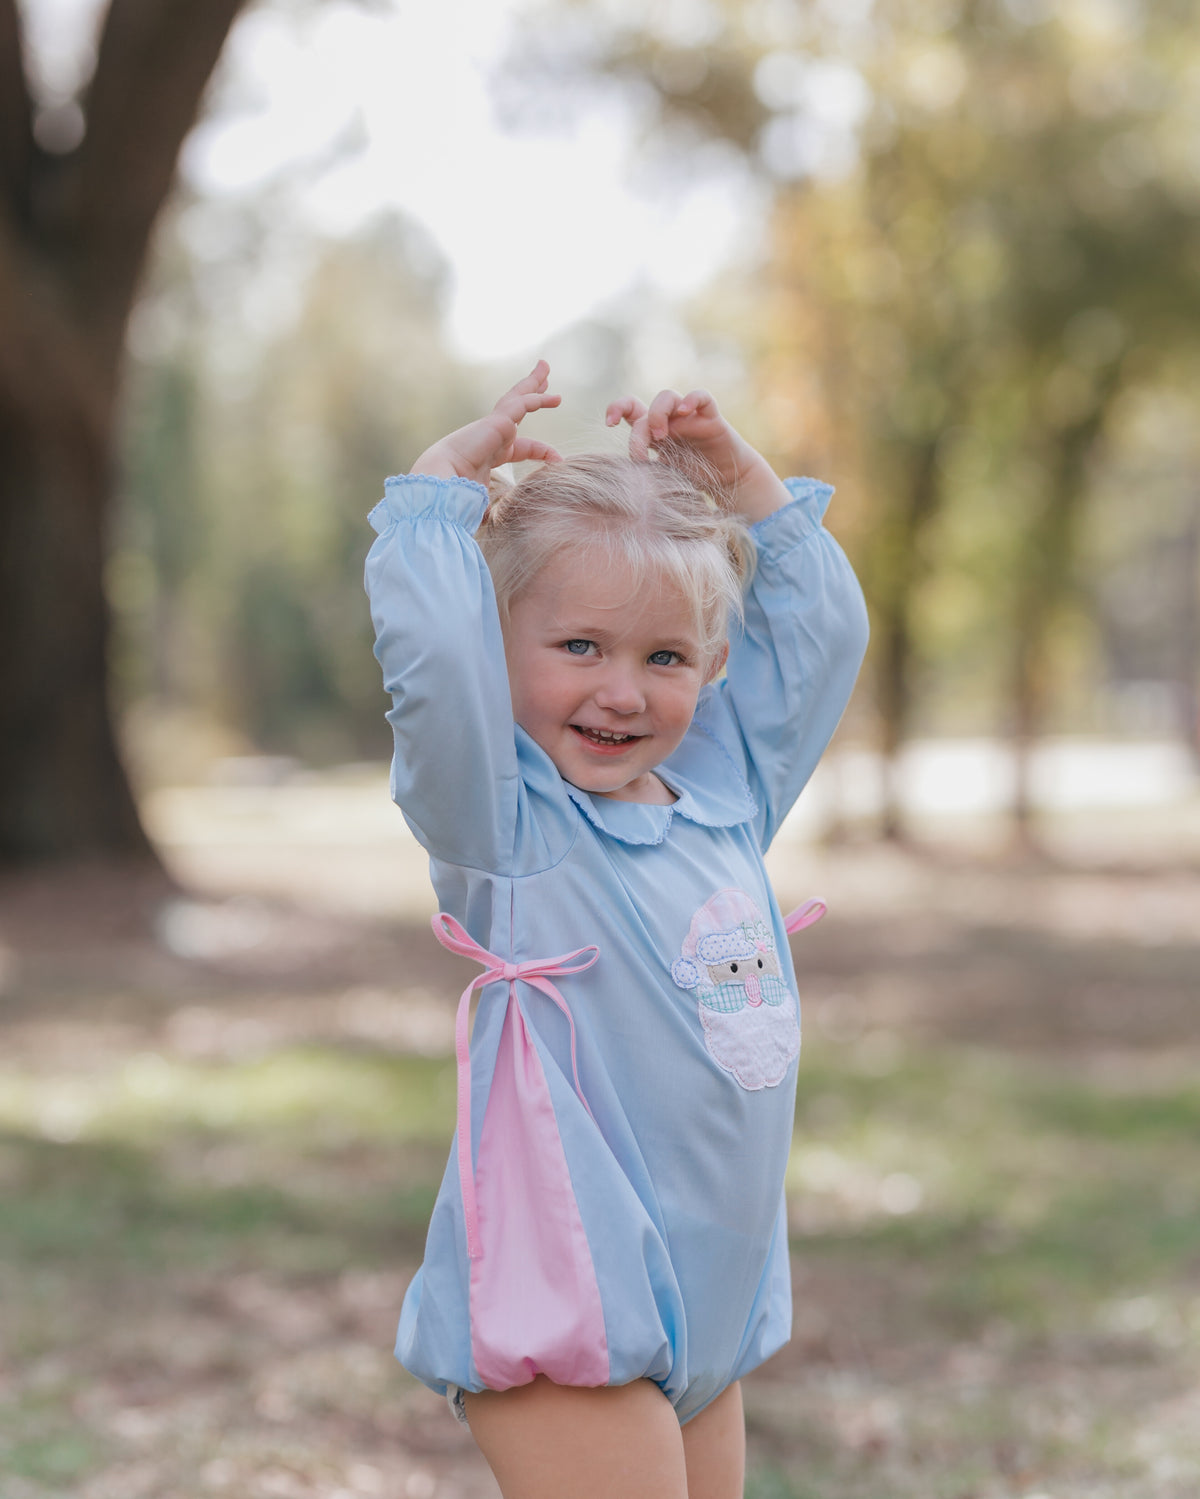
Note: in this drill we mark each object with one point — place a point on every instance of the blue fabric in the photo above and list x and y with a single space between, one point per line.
679 1178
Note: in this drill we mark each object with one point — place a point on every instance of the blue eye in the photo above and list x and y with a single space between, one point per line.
663 658
578 647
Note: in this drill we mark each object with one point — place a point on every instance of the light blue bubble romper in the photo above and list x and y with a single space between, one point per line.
630 1083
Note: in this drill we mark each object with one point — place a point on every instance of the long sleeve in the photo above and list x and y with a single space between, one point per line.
437 637
793 665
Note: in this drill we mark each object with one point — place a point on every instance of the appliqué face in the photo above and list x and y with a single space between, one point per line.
728 960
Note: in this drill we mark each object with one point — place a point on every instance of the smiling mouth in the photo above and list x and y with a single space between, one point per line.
604 738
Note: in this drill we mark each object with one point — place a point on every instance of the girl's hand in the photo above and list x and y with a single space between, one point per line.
473 451
693 421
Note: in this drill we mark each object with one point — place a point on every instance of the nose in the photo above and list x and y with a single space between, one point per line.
619 690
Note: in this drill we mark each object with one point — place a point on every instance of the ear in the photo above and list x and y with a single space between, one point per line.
717 664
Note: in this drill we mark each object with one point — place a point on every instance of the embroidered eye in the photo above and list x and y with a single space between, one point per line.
733 967
760 962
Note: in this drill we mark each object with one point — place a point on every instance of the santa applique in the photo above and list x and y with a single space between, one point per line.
750 1016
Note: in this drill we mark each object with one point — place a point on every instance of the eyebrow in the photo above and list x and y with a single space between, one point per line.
578 629
681 647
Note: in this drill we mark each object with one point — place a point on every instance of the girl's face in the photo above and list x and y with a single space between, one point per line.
604 673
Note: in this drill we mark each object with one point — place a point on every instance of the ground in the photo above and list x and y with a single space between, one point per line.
225 1104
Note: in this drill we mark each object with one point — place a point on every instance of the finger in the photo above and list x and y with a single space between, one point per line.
662 408
516 404
628 409
534 383
639 438
526 401
536 378
695 402
530 450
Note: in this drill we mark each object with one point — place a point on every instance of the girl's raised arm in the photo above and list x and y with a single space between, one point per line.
455 770
793 664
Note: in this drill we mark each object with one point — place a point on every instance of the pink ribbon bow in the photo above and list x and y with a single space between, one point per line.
535 971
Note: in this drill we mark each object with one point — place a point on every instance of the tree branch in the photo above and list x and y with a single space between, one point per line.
153 65
16 132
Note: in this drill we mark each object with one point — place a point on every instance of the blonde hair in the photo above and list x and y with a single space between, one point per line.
665 520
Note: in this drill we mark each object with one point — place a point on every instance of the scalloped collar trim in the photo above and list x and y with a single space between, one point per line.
709 789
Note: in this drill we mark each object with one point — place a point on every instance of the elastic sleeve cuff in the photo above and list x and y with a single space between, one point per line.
790 524
407 496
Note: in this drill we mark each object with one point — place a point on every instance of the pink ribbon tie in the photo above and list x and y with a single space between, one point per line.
537 972
811 911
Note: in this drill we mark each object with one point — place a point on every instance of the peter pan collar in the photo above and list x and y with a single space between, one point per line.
709 789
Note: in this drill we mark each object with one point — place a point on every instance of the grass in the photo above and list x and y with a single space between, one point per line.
161 1162
998 1275
309 1094
1017 1252
1041 1192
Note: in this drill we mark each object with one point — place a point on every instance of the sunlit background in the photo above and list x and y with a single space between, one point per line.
940 252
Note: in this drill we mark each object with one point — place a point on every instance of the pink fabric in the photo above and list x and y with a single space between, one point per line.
535 1301
537 971
811 911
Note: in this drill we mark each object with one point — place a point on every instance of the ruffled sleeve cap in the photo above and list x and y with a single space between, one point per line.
462 502
776 534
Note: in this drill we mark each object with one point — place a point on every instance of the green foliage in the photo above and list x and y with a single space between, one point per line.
252 462
981 261
982 242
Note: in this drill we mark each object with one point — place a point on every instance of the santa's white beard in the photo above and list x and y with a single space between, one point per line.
756 1043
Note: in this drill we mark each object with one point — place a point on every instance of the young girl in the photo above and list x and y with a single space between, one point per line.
608 1251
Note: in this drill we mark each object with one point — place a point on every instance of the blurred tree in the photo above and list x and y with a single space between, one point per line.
149 568
250 465
295 465
1142 570
983 228
81 185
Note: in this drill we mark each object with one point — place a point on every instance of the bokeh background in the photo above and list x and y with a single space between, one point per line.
253 258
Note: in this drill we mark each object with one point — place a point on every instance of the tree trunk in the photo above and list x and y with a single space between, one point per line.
897 575
65 791
1186 662
74 229
1045 573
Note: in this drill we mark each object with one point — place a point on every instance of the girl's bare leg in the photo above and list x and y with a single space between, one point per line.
714 1448
548 1441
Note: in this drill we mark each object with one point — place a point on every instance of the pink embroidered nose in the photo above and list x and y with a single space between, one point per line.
753 991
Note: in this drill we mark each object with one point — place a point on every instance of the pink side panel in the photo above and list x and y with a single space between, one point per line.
535 1303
